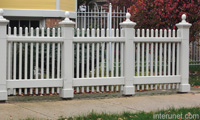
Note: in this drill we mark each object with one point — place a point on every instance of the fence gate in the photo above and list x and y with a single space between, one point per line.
100 18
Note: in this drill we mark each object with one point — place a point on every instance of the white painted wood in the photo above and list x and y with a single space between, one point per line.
97 60
138 59
83 32
92 39
47 61
31 63
154 39
77 60
26 61
102 58
107 88
147 59
147 87
138 32
142 87
161 33
34 83
42 90
173 35
37 61
102 88
160 60
152 58
173 58
36 90
42 61
82 60
122 60
169 58
117 60
169 33
52 90
47 90
156 59
58 61
143 32
142 59
93 72
78 32
107 61
53 59
152 33
9 31
156 33
165 33
25 91
35 39
147 33
87 89
20 60
165 87
82 89
156 86
92 89
156 79
42 35
178 59
88 53
10 61
112 59
165 58
98 81
97 89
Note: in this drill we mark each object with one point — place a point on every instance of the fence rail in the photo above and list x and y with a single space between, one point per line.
67 62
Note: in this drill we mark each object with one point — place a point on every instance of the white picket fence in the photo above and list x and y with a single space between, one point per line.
65 63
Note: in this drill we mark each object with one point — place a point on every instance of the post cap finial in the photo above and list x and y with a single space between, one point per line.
67 14
67 21
183 17
1 12
128 23
183 22
128 16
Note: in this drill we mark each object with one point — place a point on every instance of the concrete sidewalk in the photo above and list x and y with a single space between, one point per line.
55 109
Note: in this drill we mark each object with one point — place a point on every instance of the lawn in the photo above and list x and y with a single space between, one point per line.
172 113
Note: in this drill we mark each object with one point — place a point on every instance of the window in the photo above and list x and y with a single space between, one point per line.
23 24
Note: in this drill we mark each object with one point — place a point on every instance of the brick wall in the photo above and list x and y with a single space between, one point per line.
52 22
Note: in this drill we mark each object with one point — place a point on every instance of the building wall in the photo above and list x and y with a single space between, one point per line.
67 5
28 4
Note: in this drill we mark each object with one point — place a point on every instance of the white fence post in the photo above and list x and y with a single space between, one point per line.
3 54
184 27
129 34
67 27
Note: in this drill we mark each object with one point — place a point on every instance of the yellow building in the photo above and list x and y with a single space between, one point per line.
37 13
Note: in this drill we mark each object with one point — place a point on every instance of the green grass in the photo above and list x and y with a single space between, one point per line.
194 80
134 116
193 112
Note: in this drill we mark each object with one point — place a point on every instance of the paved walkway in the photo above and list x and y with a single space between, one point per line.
55 109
